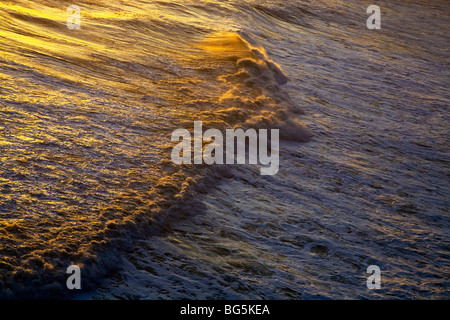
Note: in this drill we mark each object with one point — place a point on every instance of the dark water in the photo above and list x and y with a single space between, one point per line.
86 175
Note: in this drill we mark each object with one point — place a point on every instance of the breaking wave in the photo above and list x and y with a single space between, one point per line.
86 122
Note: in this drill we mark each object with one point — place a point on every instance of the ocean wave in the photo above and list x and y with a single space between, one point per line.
79 184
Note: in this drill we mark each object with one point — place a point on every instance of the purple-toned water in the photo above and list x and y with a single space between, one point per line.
86 118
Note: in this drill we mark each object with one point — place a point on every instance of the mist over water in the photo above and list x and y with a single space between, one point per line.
86 177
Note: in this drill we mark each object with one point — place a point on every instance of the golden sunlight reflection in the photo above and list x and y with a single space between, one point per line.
87 118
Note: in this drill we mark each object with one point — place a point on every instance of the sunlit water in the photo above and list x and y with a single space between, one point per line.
86 177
